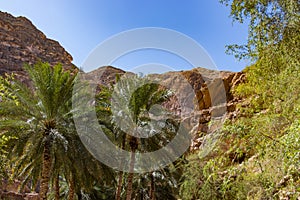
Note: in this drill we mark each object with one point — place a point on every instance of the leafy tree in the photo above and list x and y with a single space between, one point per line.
270 22
248 161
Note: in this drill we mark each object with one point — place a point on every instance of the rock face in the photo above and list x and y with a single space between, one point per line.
213 91
105 75
214 100
21 42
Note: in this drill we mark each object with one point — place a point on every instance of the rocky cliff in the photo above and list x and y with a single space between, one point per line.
213 90
21 42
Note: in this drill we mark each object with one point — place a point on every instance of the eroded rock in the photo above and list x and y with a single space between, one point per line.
22 43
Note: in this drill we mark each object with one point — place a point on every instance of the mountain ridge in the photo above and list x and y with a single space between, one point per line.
22 43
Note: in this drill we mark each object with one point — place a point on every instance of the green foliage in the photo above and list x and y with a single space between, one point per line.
258 154
270 22
40 114
273 82
269 167
26 113
4 91
129 103
4 140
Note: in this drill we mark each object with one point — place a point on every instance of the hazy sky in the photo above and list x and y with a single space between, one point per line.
79 26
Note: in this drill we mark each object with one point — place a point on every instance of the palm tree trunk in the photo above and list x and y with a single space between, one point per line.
119 188
46 170
71 188
56 187
152 188
130 177
133 143
120 179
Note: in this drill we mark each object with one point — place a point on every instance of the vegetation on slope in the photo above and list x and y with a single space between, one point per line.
258 156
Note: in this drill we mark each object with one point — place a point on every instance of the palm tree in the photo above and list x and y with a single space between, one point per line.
104 115
134 96
36 116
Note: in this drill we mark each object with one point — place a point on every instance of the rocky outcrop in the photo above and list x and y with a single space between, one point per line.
212 88
22 43
214 92
214 98
105 75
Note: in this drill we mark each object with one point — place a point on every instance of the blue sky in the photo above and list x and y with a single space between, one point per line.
80 26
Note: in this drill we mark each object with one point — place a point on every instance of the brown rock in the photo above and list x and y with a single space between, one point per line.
22 43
